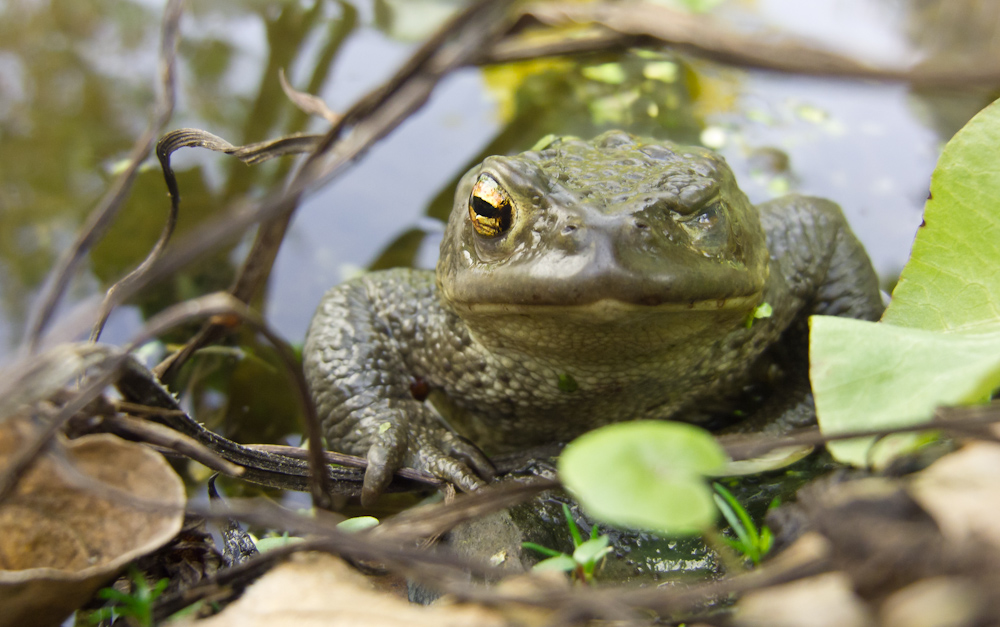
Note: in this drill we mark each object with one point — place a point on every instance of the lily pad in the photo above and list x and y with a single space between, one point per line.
61 541
645 475
939 340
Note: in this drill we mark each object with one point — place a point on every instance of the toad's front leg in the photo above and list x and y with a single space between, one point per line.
361 385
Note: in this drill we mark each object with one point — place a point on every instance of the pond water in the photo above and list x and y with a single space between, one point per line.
77 82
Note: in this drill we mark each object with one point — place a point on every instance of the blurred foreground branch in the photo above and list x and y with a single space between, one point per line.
618 25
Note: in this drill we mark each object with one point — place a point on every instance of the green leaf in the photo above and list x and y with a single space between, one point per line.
101 614
737 545
560 562
158 588
763 310
740 511
358 523
276 542
951 282
766 540
574 531
592 550
644 474
873 375
746 542
544 550
188 612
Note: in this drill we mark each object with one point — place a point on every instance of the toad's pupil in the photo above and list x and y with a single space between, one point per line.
492 215
486 209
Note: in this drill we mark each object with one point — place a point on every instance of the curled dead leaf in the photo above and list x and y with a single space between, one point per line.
62 539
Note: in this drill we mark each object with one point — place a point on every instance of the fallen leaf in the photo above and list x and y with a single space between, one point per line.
62 541
961 491
934 602
321 590
826 600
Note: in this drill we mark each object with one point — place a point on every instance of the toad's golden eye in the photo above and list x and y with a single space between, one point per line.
490 207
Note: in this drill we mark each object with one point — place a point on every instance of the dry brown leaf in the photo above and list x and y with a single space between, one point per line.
962 492
321 590
826 600
934 602
61 541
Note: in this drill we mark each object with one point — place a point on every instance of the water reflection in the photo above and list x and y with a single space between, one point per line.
67 106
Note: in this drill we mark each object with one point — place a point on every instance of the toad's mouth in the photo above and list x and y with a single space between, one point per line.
727 286
609 309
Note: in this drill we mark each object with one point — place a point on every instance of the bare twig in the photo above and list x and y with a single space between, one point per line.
159 435
433 520
369 120
114 366
516 48
635 24
961 419
251 154
107 208
268 239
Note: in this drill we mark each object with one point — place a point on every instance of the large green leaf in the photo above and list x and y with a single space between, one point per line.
872 375
939 341
645 475
952 281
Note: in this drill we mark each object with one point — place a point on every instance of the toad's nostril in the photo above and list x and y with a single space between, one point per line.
569 228
639 224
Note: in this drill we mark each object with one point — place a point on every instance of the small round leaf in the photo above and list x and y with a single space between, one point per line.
645 474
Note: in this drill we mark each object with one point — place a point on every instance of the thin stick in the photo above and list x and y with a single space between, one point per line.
637 24
160 435
945 419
